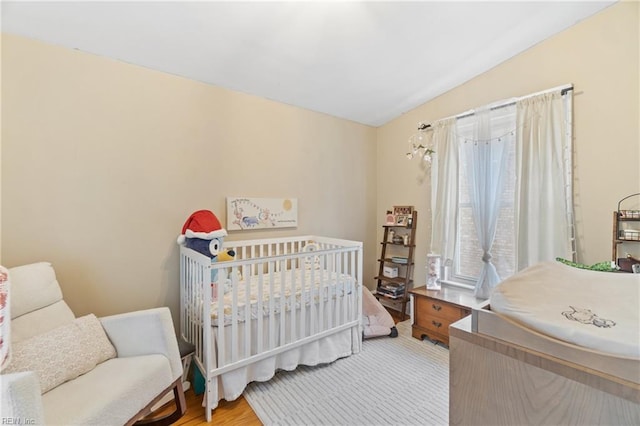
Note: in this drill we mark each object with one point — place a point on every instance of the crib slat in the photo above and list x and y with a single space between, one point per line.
234 316
336 294
272 314
283 285
304 297
336 281
247 308
356 268
292 302
321 290
254 266
312 304
345 263
222 341
260 313
200 311
194 281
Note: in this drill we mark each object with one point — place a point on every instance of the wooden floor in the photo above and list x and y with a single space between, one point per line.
236 412
227 413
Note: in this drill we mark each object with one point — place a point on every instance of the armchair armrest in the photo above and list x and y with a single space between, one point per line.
21 399
143 333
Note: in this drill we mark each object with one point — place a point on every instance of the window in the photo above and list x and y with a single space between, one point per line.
492 166
467 262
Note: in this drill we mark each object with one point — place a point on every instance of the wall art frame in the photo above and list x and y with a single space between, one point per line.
247 213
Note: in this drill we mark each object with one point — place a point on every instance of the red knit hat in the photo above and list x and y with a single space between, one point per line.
202 224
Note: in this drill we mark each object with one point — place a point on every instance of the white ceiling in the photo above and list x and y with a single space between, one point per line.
364 61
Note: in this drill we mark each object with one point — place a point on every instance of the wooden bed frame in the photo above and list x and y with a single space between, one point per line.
504 374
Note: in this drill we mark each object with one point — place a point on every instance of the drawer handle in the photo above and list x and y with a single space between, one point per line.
436 307
437 324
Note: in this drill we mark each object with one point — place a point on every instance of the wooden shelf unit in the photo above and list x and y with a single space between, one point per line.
619 237
405 270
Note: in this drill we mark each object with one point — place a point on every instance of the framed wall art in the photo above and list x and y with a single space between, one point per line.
244 213
403 210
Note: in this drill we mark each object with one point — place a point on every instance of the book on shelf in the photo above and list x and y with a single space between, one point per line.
391 296
392 284
391 292
386 293
392 287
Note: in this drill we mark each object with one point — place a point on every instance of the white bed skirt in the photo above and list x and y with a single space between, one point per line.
322 351
328 349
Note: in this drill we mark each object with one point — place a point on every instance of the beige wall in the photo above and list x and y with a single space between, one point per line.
600 57
102 162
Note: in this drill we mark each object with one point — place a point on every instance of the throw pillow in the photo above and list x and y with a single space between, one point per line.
96 340
64 353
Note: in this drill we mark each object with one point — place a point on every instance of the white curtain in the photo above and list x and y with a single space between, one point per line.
485 158
543 193
444 188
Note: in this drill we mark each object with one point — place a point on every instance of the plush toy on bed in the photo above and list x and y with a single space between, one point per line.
203 233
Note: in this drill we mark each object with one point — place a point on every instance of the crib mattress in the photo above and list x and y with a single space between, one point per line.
596 310
307 286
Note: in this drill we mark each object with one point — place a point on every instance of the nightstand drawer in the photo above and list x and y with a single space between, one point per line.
431 308
435 310
439 325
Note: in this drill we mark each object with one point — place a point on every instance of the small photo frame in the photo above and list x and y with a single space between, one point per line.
403 210
390 219
401 219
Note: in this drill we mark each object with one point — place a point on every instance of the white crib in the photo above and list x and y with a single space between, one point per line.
283 302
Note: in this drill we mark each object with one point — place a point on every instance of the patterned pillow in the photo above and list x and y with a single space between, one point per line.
64 353
98 344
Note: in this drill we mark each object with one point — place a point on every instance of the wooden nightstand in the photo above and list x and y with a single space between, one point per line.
435 310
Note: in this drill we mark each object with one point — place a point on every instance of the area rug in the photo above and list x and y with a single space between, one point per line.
393 381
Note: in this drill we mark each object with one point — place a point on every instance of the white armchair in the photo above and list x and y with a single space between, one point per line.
67 379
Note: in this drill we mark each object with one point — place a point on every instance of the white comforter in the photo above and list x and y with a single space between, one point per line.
595 310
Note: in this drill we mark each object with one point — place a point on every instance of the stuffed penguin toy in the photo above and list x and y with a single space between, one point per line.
203 233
